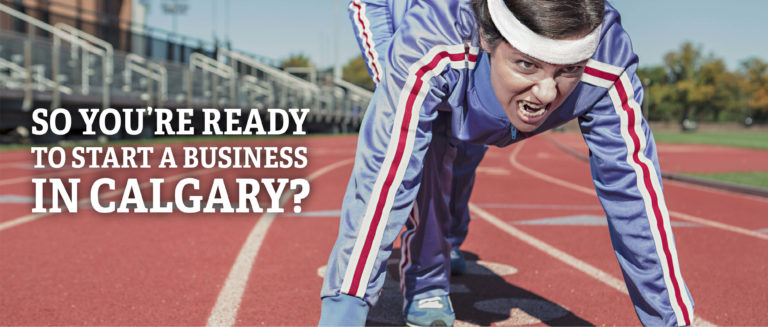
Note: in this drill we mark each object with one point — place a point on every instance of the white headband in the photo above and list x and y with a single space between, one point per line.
550 50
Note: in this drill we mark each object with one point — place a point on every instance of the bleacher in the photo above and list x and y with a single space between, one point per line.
60 66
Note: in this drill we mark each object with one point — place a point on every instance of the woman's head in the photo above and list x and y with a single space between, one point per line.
554 19
538 50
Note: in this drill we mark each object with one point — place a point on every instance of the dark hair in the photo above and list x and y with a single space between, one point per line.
555 19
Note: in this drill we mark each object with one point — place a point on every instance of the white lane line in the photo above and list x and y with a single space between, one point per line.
716 191
63 172
53 172
87 200
719 225
572 261
564 257
591 191
19 199
227 304
15 164
22 220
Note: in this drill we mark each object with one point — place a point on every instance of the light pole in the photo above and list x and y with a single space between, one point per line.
175 8
336 66
647 100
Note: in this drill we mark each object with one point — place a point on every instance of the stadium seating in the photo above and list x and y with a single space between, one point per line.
60 66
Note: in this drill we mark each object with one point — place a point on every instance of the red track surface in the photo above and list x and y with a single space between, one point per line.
169 269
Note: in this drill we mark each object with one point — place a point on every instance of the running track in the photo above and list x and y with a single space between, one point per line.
539 247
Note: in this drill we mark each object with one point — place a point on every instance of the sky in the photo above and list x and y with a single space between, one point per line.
733 30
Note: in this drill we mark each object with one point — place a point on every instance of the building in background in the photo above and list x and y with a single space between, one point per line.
120 22
106 19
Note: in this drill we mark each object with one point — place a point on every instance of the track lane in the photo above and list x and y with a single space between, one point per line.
677 197
688 158
582 293
225 312
699 267
121 269
283 287
11 218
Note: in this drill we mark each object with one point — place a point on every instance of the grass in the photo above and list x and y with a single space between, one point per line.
755 178
742 139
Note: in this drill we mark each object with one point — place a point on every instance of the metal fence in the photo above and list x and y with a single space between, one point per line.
60 65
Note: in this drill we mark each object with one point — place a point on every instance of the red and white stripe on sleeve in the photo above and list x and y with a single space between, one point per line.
622 94
398 154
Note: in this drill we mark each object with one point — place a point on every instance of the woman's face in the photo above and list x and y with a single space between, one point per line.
529 89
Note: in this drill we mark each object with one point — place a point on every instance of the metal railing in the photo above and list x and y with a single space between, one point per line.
152 72
82 67
258 94
357 99
42 83
107 59
284 83
215 70
58 36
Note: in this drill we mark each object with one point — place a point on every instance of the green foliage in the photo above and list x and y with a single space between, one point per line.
683 65
691 85
296 60
660 102
356 72
755 83
719 89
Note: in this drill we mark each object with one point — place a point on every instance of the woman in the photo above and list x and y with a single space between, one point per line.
496 73
374 25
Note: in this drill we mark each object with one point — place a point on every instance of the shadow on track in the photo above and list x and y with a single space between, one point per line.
480 297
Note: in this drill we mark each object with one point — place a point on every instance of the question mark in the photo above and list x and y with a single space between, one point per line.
303 194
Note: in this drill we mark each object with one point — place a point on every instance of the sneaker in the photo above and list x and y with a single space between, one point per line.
434 311
458 265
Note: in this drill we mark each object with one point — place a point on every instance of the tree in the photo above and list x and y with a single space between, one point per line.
701 86
756 86
682 67
720 91
296 60
356 72
658 92
692 85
